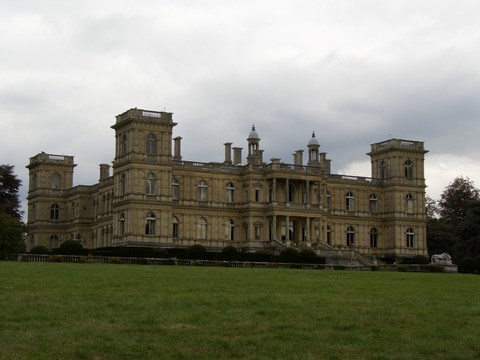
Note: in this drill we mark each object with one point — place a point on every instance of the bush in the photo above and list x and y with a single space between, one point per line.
141 261
289 255
307 256
467 265
70 247
197 252
262 256
56 258
420 259
229 253
39 249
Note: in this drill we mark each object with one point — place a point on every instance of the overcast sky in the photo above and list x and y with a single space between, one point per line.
354 71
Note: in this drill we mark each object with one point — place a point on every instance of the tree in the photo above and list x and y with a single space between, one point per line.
9 187
12 228
457 194
431 208
11 235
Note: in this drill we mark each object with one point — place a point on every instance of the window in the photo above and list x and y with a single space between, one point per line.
151 184
291 193
175 227
202 190
258 231
230 193
150 224
383 169
54 212
328 200
122 224
409 203
409 169
229 230
349 201
373 203
56 181
151 144
257 195
53 242
373 237
410 237
202 229
175 189
350 236
123 145
329 235
123 184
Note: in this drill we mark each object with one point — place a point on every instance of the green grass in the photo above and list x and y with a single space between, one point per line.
94 311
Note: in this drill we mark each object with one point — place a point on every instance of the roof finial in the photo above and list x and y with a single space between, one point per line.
253 127
313 134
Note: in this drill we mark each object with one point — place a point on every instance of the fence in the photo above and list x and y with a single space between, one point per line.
206 263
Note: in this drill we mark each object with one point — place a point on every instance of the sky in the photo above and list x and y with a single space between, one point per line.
356 72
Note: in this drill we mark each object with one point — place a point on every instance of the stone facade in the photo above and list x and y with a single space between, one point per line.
155 198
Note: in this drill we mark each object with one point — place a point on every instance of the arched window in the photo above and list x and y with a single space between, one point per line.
349 201
410 235
151 184
56 181
175 227
409 203
373 203
151 144
123 184
328 200
122 224
53 242
409 169
175 189
202 190
373 237
258 231
54 212
150 224
383 169
329 235
230 193
123 145
350 236
229 230
202 229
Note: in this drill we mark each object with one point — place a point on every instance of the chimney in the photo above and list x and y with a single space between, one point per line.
228 153
177 151
237 155
104 171
298 158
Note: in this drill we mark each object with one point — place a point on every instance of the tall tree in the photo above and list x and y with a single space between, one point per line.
9 187
452 204
431 208
12 228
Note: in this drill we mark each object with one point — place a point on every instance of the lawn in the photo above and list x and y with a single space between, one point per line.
102 311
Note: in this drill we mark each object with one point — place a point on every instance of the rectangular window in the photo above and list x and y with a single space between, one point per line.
257 195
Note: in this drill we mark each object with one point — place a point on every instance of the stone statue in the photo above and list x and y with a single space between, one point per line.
441 259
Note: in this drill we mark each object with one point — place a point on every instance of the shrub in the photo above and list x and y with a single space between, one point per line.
339 267
467 265
229 253
420 259
39 249
262 256
115 261
307 256
70 247
288 255
197 252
